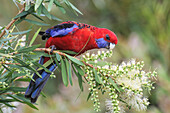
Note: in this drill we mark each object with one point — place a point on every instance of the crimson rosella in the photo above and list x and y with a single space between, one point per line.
73 36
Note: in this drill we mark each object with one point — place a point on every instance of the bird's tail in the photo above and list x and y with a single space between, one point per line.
35 87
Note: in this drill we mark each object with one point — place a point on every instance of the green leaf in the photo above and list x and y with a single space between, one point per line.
60 7
26 65
41 66
55 18
27 7
56 61
97 77
89 95
17 89
75 60
37 17
58 56
79 78
20 32
20 61
69 73
7 39
50 5
24 79
43 94
6 55
22 99
72 6
39 10
63 72
37 4
46 64
24 13
34 37
45 12
114 84
35 22
57 3
78 68
100 63
19 20
68 52
28 49
6 100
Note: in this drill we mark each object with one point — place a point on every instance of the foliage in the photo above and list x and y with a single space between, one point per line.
19 59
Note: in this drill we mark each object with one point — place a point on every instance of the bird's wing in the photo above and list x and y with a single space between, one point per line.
62 29
65 28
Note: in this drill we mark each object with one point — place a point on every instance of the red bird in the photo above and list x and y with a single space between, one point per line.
73 36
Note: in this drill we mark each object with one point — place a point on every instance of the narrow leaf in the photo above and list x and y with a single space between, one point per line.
35 15
69 73
37 4
50 5
20 32
75 60
55 18
57 62
69 52
28 49
60 7
89 95
6 55
39 10
73 7
78 68
114 84
46 64
58 57
7 39
35 22
34 37
100 63
45 12
24 13
63 72
41 66
79 78
97 78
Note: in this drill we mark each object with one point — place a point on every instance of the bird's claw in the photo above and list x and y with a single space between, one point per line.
52 48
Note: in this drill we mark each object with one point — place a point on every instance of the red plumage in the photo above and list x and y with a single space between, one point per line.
81 39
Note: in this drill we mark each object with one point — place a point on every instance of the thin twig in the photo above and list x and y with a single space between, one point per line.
11 23
9 63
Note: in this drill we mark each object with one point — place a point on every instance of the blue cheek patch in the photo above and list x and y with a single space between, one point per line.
101 43
60 31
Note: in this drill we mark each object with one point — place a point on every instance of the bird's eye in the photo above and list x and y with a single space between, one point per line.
107 37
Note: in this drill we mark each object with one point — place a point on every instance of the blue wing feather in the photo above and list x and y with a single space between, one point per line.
61 30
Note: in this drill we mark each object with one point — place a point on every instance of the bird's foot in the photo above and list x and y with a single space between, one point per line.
52 48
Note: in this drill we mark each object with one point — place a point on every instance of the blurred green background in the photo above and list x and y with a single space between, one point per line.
143 30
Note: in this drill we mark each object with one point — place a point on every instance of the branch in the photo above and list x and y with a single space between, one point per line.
60 53
9 63
11 23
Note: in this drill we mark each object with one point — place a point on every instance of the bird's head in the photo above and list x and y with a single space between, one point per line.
105 38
